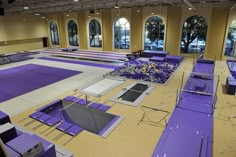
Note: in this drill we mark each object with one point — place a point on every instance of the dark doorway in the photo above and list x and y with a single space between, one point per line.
45 41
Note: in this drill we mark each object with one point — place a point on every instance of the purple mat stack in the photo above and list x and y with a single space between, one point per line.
167 58
24 144
231 80
190 129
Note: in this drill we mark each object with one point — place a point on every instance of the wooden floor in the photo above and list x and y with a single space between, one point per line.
132 140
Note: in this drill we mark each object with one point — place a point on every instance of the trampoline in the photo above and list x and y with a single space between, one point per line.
134 94
76 111
101 87
90 59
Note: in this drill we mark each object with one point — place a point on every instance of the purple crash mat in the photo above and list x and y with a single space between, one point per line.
26 78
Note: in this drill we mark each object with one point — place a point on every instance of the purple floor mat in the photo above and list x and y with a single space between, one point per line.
190 128
23 79
80 62
201 124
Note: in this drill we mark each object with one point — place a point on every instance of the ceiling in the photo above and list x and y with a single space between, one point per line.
55 6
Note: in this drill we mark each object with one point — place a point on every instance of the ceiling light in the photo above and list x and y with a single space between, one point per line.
76 0
26 7
152 13
116 7
189 8
138 10
98 13
24 19
37 14
43 17
70 10
67 15
89 16
189 4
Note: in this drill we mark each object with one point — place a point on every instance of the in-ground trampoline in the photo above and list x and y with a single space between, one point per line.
133 94
90 116
101 87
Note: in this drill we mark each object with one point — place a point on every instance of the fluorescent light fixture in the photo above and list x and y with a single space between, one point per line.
233 6
76 0
43 17
26 7
189 4
189 8
37 14
116 6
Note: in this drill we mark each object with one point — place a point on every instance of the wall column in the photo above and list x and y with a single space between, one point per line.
82 31
216 33
136 29
174 29
107 31
62 30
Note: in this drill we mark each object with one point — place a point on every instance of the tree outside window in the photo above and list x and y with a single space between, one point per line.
194 35
54 34
73 33
154 34
122 34
230 48
95 35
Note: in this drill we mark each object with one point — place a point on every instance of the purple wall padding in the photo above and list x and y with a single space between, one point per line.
26 78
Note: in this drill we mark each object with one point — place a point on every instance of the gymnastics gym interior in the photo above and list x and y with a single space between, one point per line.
117 78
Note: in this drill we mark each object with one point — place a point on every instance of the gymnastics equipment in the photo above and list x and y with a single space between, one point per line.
145 115
133 94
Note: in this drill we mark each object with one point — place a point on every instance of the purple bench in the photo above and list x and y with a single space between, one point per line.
174 59
151 53
78 100
231 85
206 61
99 106
68 128
69 49
4 118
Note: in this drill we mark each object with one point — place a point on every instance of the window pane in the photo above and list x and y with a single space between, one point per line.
73 33
95 35
154 34
194 35
122 34
54 34
230 49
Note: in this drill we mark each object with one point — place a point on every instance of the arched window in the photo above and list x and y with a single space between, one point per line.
194 35
154 34
122 34
73 33
95 34
54 34
230 48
